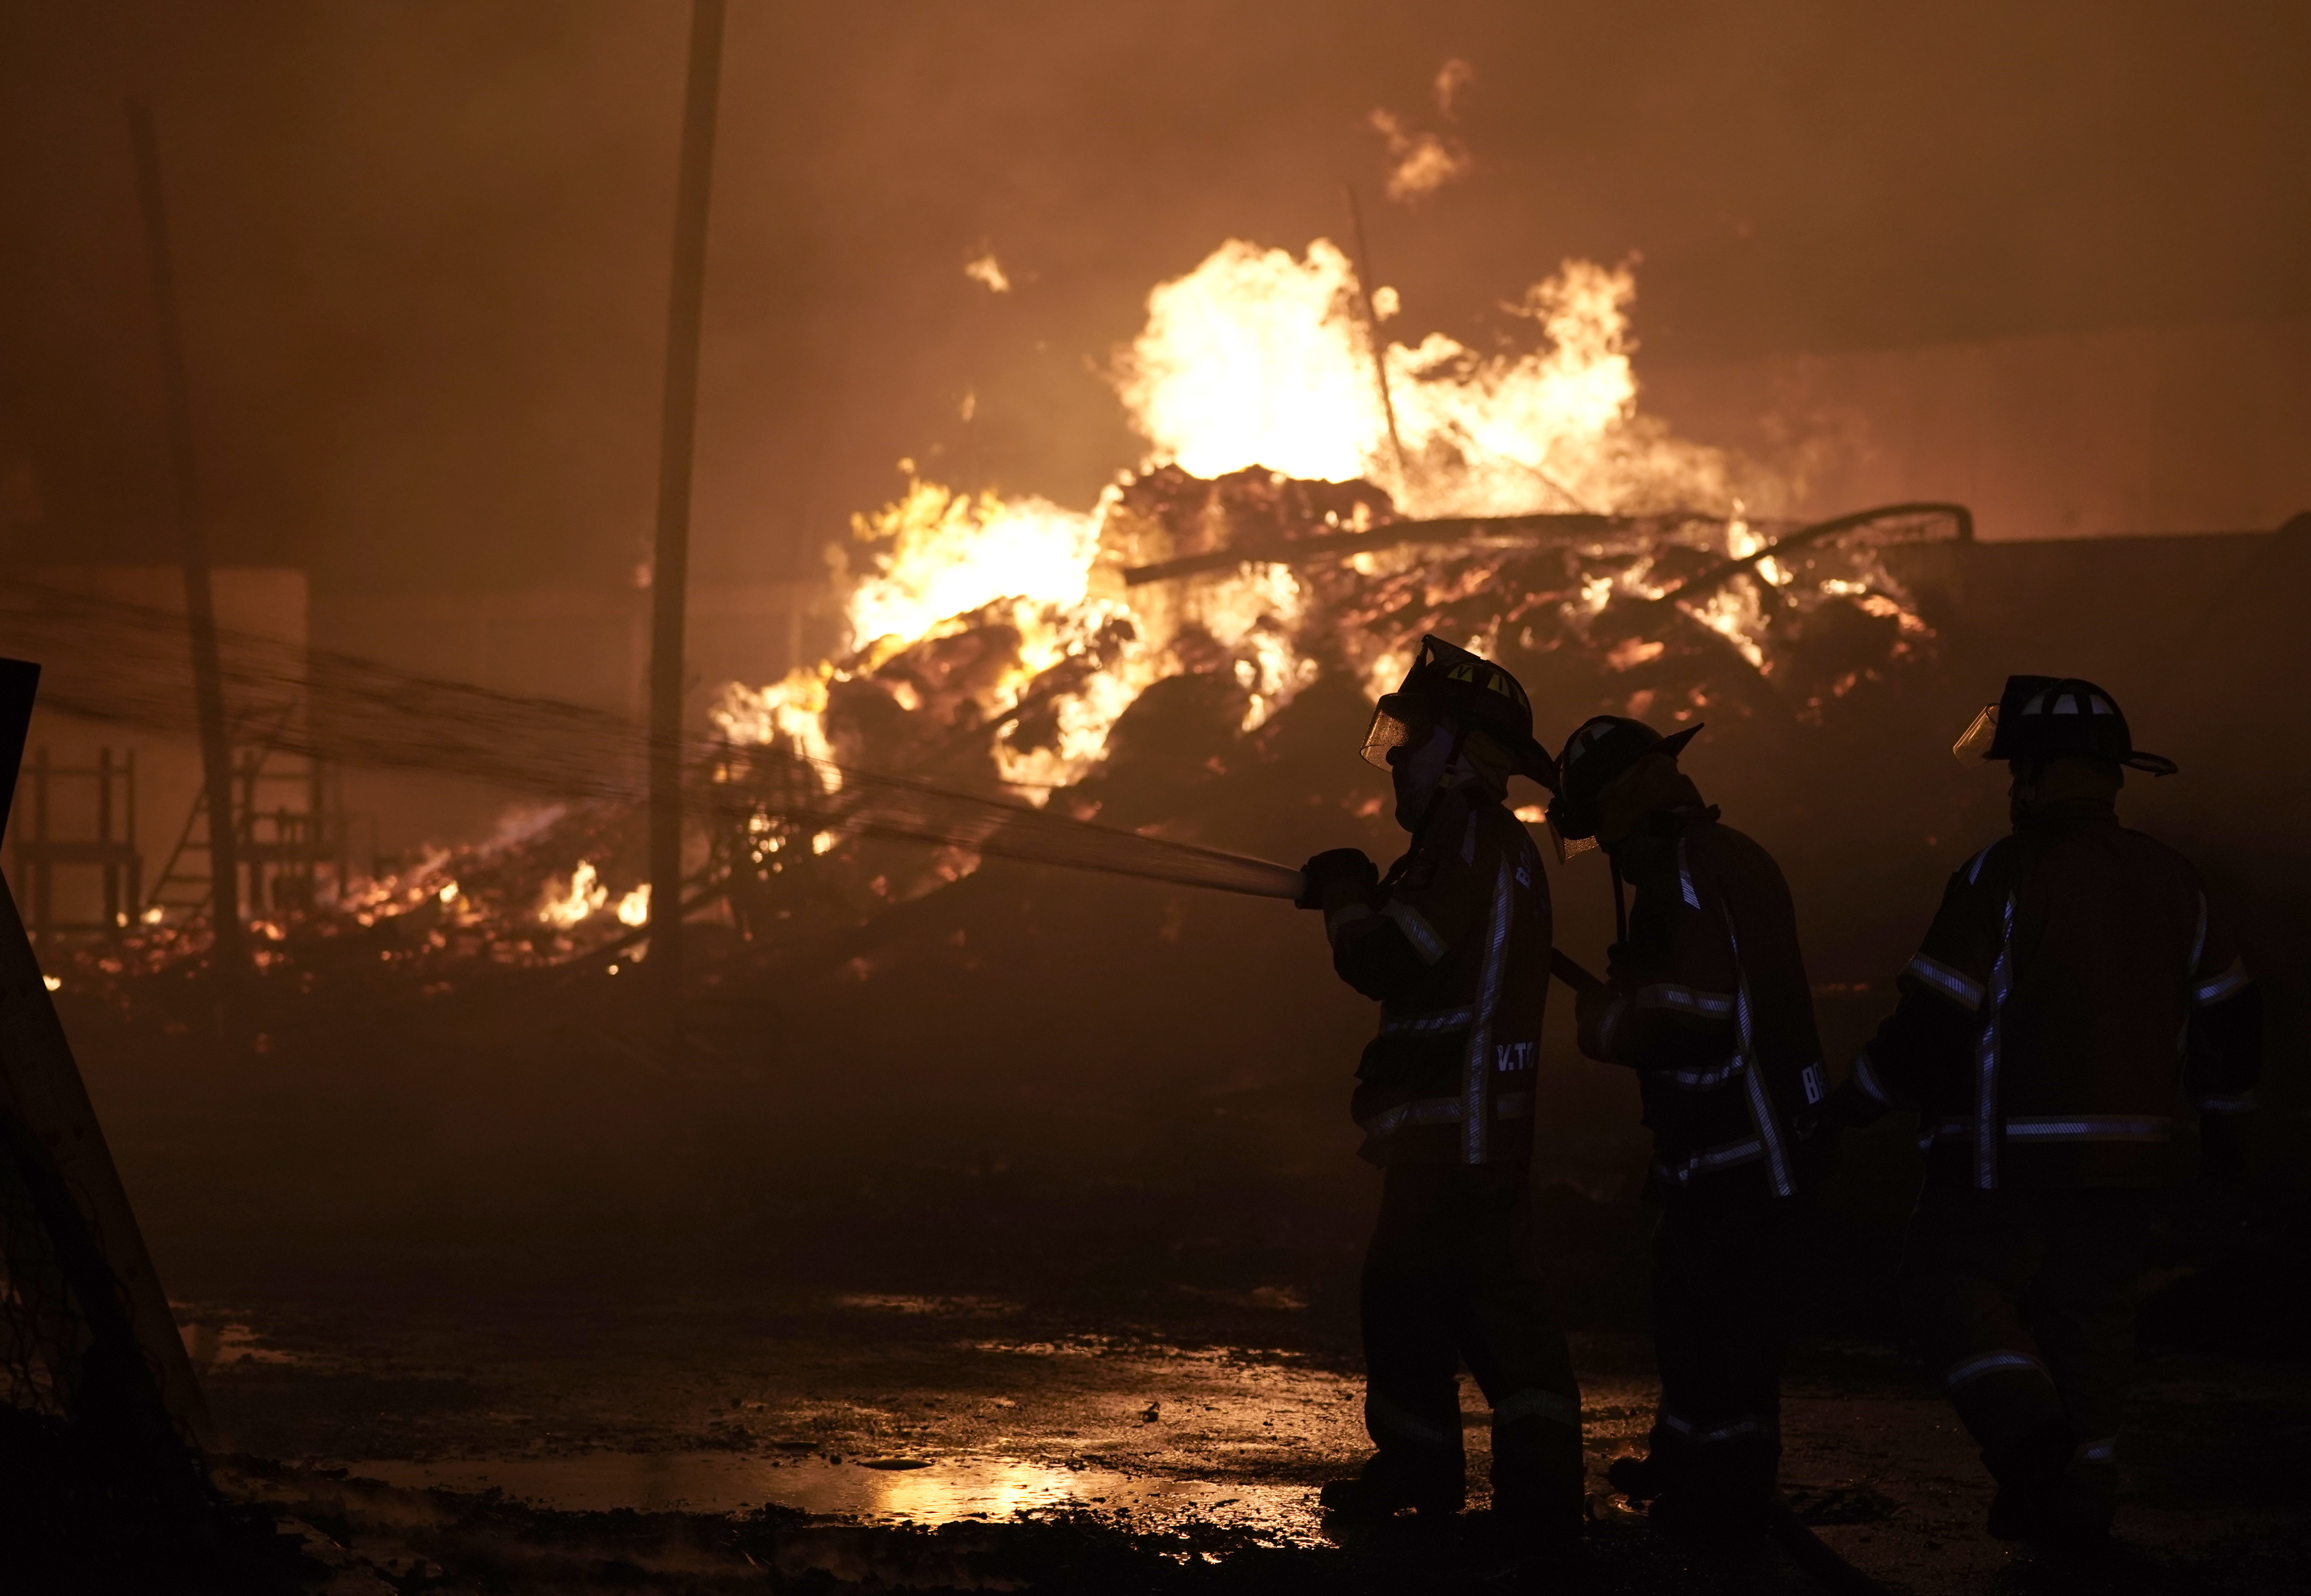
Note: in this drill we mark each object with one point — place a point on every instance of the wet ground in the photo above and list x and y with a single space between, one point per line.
526 1319
440 1429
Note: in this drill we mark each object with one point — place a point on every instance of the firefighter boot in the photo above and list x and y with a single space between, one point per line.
1706 1509
2036 1499
1386 1485
2089 1487
1640 1480
1538 1480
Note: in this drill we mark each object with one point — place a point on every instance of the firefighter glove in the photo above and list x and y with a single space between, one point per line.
1596 1010
1335 873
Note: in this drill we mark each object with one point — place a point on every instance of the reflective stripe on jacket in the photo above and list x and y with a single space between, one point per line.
1457 952
2074 969
1713 1013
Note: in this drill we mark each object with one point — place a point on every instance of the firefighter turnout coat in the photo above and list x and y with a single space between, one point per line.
2073 971
1711 1006
1455 947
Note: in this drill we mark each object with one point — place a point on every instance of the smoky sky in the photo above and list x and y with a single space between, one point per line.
423 244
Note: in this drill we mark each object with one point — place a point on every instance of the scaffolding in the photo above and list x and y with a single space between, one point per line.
292 831
39 853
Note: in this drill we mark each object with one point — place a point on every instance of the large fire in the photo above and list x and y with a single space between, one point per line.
1276 536
1254 361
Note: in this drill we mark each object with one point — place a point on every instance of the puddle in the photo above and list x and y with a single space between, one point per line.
212 1346
937 1492
973 1307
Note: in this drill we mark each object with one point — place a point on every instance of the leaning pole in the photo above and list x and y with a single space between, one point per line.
670 568
230 957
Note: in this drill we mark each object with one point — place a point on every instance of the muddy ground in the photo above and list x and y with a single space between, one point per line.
900 1381
1016 1268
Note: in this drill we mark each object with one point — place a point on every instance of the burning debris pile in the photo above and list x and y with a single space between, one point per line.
1011 647
1301 523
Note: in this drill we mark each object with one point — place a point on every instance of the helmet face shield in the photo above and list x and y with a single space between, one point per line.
1395 724
1570 848
1972 745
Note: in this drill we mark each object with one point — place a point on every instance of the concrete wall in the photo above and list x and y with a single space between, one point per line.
2141 430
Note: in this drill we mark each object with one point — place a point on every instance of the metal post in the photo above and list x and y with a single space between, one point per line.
43 872
244 817
230 956
104 838
1371 329
135 901
670 570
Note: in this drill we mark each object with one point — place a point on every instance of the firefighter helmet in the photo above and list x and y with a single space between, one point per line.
2040 718
1600 749
1450 683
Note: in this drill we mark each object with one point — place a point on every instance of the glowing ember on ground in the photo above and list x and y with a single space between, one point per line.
584 895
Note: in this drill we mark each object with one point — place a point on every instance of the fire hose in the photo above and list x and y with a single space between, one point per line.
815 794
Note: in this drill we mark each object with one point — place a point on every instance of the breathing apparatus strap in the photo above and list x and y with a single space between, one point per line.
1620 904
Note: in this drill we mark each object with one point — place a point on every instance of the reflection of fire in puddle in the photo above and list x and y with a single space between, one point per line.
975 1307
220 1346
893 1491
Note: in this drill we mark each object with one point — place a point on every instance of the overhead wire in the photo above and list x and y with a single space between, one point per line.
109 660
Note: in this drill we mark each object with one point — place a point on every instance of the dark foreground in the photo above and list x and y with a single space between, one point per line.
599 1418
482 1318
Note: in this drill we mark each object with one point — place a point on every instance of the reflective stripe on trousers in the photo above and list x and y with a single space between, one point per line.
1969 1370
1533 1402
1383 1416
1750 1426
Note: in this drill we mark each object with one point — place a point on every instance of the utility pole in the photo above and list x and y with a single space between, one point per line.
670 568
1371 328
230 956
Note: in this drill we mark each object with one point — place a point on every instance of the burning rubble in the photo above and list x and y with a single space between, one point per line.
1295 529
1531 511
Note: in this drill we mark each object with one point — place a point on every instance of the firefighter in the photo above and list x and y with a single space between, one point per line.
1454 943
2037 1037
1705 998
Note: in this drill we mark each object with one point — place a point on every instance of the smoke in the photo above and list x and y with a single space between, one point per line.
1422 162
1453 77
423 244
